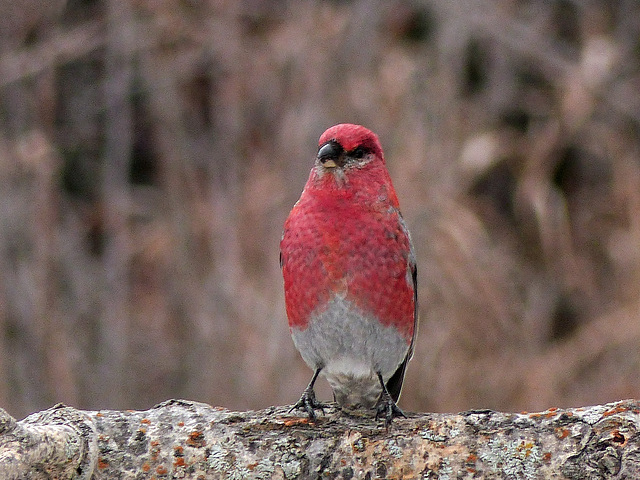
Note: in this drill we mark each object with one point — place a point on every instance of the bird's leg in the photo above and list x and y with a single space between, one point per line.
308 400
386 407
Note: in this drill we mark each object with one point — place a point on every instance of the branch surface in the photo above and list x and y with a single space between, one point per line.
190 440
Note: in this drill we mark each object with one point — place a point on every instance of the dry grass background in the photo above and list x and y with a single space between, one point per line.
150 151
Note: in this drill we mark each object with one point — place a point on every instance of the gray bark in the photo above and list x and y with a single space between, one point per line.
190 440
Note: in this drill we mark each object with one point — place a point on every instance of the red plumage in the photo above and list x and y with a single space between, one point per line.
349 272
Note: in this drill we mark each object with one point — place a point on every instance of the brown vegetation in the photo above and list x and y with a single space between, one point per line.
150 151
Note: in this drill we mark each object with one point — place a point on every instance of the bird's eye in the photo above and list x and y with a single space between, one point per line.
359 152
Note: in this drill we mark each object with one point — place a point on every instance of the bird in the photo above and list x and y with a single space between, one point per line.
350 276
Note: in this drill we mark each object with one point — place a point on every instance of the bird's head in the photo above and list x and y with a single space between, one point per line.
345 147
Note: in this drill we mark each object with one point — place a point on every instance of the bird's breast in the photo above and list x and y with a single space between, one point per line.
352 251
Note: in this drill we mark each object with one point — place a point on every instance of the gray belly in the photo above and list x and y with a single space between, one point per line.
351 347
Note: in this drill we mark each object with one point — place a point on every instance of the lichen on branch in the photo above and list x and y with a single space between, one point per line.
190 440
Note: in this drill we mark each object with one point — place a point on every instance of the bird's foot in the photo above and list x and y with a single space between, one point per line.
309 404
387 409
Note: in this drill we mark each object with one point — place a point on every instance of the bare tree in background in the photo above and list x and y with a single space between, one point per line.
150 151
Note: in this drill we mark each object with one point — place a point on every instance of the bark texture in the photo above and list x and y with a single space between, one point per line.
190 440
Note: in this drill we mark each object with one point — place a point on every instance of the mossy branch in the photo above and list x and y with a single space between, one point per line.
190 440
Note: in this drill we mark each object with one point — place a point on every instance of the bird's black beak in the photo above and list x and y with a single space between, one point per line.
331 155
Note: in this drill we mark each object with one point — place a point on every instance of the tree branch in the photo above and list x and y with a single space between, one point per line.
183 439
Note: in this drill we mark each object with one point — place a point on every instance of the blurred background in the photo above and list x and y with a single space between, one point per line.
150 151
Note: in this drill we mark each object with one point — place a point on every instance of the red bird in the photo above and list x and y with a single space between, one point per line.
350 275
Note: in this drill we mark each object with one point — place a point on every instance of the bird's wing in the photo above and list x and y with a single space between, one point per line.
394 385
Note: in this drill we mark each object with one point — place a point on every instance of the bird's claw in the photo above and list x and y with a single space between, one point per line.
387 409
309 404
